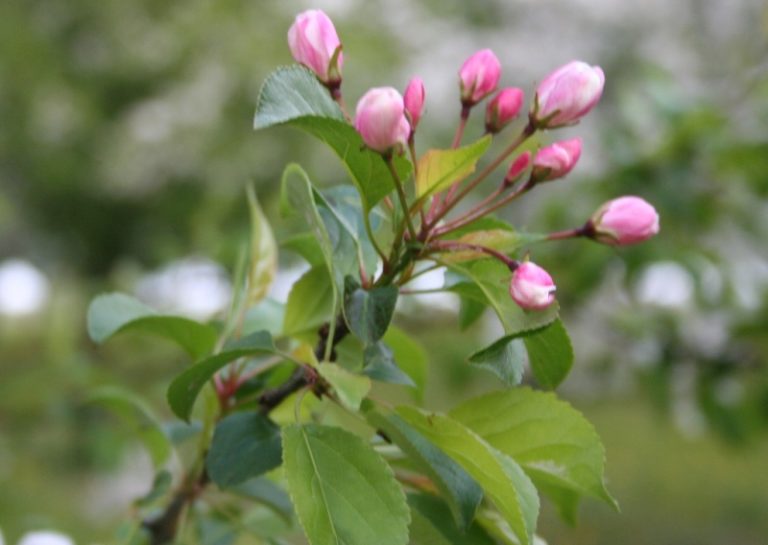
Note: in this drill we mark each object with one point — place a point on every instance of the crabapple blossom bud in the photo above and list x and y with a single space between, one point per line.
567 94
314 43
380 119
479 76
414 100
518 166
531 287
622 221
503 108
556 160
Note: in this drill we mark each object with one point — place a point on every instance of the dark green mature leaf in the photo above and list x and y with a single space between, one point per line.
368 312
500 476
438 169
310 302
490 284
139 417
550 354
505 358
113 313
343 492
553 442
262 490
185 387
293 96
379 364
431 524
350 388
410 356
245 445
462 493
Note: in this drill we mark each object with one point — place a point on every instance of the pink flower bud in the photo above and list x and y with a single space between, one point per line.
531 287
503 108
313 42
414 100
567 94
479 76
380 119
517 167
556 160
622 221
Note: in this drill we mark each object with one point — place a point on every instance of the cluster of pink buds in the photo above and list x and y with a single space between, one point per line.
387 122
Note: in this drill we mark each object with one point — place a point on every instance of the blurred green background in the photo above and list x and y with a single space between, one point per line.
126 145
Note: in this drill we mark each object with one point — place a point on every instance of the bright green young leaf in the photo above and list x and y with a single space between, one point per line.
438 169
113 313
431 524
310 302
350 388
496 527
306 246
456 486
245 445
501 240
553 442
501 477
368 312
505 358
293 96
343 492
185 387
550 354
490 284
263 256
138 417
262 490
410 356
379 364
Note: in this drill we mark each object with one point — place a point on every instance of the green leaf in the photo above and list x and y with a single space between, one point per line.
293 96
505 358
113 313
500 476
368 312
350 388
438 169
470 311
553 442
263 256
262 490
185 387
245 445
305 245
431 524
410 356
310 302
487 281
550 354
343 492
139 417
379 362
502 240
461 492
161 485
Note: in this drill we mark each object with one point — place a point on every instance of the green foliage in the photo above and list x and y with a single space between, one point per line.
244 445
439 169
310 303
263 256
185 388
113 313
343 492
369 312
350 388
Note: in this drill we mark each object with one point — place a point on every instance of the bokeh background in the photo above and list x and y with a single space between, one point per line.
126 145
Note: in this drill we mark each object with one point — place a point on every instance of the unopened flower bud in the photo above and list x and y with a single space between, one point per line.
314 43
567 94
479 76
380 119
518 166
503 108
414 100
556 160
531 287
626 220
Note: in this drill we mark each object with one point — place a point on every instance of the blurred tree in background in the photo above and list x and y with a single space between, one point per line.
126 145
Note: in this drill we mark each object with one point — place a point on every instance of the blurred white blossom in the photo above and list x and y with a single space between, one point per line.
45 537
23 288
